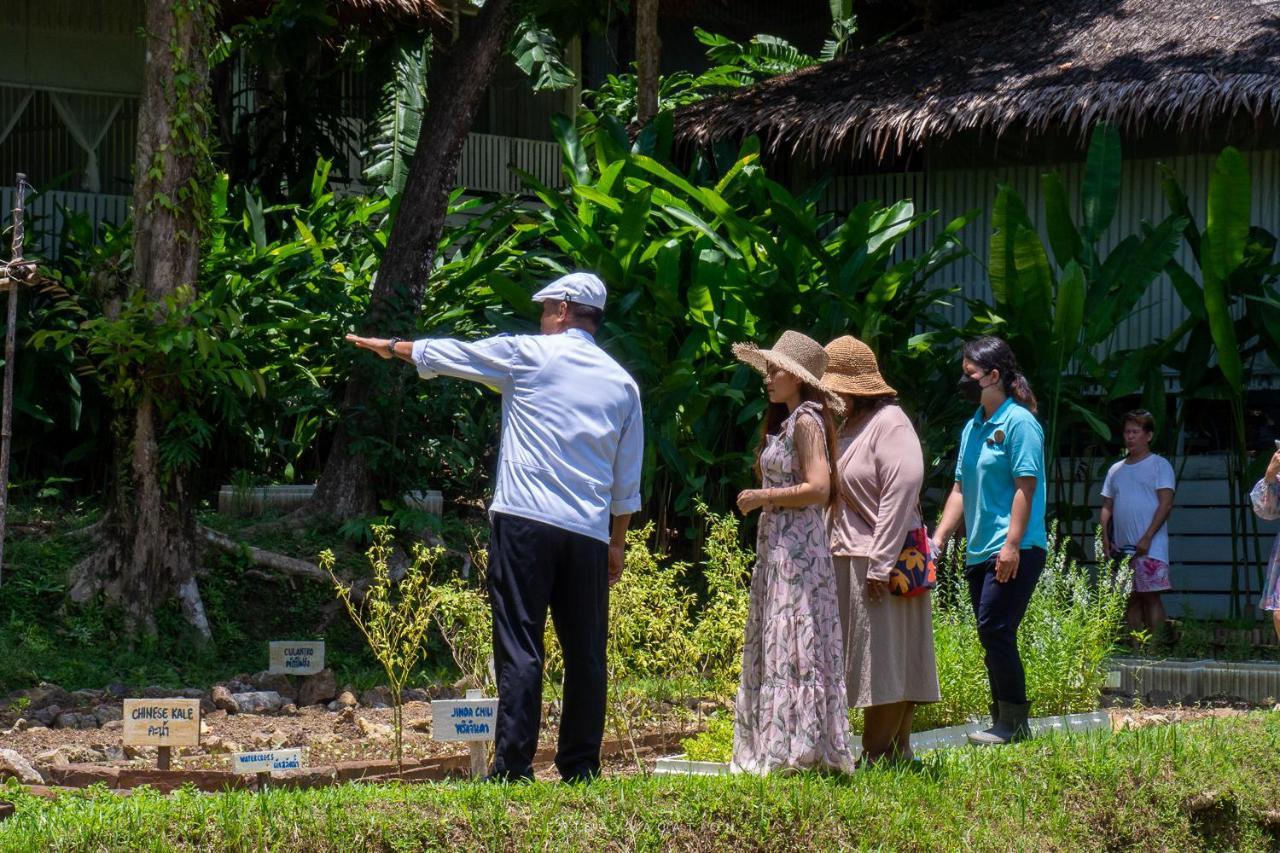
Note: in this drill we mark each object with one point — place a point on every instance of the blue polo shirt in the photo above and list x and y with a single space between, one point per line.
993 453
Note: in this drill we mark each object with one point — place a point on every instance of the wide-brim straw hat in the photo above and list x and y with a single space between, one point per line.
797 354
852 369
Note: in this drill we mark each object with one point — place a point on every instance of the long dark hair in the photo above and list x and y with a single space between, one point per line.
775 414
990 354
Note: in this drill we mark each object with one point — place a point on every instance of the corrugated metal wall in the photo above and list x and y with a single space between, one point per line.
955 192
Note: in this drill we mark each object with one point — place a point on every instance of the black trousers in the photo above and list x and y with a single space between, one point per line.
999 608
533 566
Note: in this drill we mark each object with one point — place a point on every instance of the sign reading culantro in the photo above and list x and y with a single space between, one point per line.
296 657
162 722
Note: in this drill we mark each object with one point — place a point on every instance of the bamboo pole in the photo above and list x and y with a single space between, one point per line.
15 274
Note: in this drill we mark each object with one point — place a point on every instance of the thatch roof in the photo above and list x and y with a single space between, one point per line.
1029 64
366 14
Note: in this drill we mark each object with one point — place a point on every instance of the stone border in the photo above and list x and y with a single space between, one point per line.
124 779
1189 681
952 736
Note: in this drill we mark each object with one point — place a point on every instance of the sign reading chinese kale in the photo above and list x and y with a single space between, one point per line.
296 657
463 719
266 761
162 722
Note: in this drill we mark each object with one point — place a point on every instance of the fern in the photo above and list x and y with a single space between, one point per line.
400 121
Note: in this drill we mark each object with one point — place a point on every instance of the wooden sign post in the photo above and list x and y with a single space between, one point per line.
471 720
162 723
296 657
263 764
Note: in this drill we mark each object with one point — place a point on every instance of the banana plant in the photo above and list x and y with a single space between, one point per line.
1059 315
699 258
1233 318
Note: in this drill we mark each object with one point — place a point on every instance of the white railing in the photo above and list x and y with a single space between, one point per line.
488 163
46 215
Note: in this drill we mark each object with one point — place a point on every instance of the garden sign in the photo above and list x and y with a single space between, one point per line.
471 719
296 657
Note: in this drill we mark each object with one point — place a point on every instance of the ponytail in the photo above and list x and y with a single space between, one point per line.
991 353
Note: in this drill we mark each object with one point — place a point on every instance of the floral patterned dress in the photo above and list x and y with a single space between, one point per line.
1266 505
790 713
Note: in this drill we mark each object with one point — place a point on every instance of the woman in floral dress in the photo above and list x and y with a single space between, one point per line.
790 712
1266 505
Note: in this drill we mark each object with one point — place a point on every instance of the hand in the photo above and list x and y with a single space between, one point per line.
1273 467
750 500
877 589
937 546
1143 546
1007 563
378 345
617 560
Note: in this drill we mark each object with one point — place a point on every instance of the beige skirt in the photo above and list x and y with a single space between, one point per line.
888 644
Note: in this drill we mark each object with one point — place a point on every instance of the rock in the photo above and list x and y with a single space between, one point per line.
278 739
107 713
48 714
223 700
13 764
419 725
260 740
155 691
191 693
132 752
346 717
258 702
375 731
289 709
113 726
206 706
346 699
116 690
71 753
114 753
204 729
69 720
318 689
415 694
86 697
20 725
276 682
47 694
218 746
378 697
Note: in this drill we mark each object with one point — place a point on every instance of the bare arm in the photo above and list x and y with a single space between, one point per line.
1108 507
1008 558
618 546
952 515
404 349
1158 518
815 485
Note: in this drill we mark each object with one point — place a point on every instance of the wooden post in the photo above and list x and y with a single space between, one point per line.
264 781
162 757
479 748
15 272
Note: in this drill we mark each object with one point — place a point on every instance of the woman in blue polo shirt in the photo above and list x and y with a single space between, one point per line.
999 493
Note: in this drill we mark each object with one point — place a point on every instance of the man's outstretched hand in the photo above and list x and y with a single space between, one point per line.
378 345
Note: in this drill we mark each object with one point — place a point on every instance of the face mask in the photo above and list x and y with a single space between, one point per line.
971 388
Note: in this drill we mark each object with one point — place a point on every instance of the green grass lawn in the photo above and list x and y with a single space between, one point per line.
1212 784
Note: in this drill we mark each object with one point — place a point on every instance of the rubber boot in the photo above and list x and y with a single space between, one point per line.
1010 727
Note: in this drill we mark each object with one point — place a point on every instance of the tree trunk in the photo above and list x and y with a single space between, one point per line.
150 550
460 74
648 56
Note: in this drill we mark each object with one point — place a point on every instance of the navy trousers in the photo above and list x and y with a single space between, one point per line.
999 608
533 567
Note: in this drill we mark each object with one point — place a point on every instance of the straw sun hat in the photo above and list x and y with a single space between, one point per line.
797 354
852 369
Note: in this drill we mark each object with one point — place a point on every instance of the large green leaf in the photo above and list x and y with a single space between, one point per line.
1064 239
1019 268
1127 273
1101 188
1222 251
1069 314
400 121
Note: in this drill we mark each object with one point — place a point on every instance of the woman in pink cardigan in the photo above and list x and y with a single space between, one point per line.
888 639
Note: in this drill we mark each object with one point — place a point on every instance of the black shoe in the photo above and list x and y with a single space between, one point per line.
1010 726
495 777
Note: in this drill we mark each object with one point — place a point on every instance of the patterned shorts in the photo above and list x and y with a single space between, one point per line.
1150 575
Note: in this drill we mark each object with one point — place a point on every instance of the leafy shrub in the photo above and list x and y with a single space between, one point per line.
715 743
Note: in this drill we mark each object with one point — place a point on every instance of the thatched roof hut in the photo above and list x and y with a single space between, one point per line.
1027 65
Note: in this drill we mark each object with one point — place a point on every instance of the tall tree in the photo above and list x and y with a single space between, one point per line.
460 72
648 59
147 550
